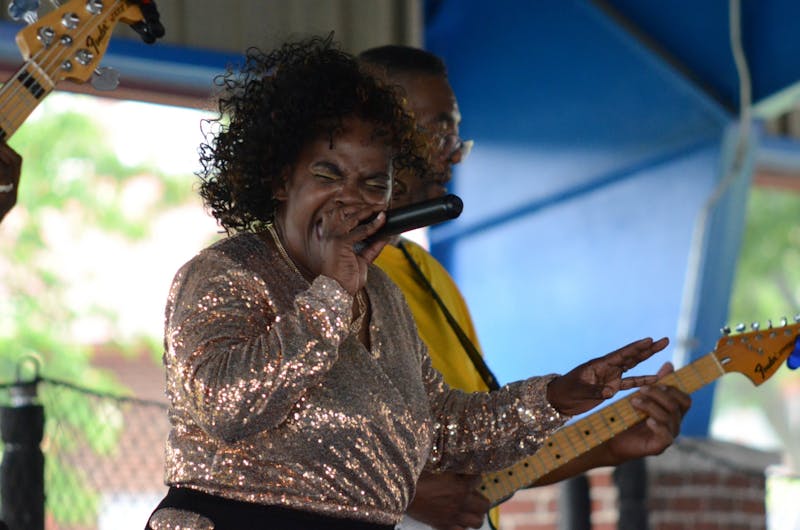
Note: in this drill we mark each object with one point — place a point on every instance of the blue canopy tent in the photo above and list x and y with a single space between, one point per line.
604 199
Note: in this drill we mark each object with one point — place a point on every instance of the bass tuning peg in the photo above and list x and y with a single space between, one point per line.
105 78
27 10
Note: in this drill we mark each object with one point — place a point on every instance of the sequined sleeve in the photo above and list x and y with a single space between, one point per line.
233 363
485 431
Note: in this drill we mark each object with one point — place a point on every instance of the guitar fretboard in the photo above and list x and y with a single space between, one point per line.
589 432
20 95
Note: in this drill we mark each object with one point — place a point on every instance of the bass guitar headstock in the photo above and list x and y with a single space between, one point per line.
69 41
760 352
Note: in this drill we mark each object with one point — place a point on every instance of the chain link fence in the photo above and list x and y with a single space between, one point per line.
76 459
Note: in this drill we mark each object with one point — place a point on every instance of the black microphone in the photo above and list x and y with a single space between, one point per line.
417 215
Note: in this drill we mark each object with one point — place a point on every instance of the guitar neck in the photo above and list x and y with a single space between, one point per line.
578 438
20 95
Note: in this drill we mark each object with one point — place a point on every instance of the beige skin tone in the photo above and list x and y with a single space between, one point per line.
448 501
10 167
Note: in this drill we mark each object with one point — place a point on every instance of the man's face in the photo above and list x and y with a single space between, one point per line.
435 109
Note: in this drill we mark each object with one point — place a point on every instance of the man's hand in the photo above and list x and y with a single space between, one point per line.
591 383
665 407
449 501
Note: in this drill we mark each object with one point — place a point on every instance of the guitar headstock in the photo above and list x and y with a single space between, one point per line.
70 41
759 353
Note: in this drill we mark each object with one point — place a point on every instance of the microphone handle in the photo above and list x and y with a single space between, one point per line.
417 215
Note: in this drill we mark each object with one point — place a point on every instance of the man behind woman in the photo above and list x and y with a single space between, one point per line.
443 499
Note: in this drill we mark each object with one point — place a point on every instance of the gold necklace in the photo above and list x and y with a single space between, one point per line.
361 302
281 250
361 305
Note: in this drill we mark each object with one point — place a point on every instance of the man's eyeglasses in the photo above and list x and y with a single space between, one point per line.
450 146
454 148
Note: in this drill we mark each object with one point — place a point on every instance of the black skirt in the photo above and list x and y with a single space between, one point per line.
229 514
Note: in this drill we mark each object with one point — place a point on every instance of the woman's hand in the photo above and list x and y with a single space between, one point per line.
591 383
10 167
338 234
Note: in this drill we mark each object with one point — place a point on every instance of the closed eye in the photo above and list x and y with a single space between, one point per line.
325 176
325 171
381 182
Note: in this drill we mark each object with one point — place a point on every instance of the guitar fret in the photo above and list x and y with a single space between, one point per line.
585 431
716 362
680 383
608 424
29 82
538 465
617 407
575 439
21 95
628 413
701 380
688 379
514 479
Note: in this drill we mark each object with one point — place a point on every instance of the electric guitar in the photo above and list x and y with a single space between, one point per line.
757 354
67 43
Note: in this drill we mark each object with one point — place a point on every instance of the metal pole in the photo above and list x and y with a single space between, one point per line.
22 468
574 505
631 480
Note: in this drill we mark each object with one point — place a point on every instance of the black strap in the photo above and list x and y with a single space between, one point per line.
474 355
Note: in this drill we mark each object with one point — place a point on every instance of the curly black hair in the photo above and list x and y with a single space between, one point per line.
276 103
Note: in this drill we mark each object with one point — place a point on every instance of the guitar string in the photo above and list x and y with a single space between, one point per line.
43 60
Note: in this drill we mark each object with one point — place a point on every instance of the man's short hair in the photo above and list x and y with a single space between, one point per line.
399 59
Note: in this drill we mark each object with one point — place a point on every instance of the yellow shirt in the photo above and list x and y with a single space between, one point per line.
447 354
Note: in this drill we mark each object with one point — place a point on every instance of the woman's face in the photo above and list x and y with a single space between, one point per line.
347 177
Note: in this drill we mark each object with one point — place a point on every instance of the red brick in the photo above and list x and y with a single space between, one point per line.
518 506
686 504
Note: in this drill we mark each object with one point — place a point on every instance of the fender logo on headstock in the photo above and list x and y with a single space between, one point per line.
763 371
97 41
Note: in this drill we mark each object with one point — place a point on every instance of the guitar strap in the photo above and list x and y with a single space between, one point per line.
473 353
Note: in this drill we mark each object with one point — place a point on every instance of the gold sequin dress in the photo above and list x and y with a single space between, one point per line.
275 401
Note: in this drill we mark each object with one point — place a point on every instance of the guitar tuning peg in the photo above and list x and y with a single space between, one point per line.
797 317
725 331
755 326
784 321
27 10
105 78
740 327
769 324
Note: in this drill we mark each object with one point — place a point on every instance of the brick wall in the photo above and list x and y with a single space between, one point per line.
697 484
